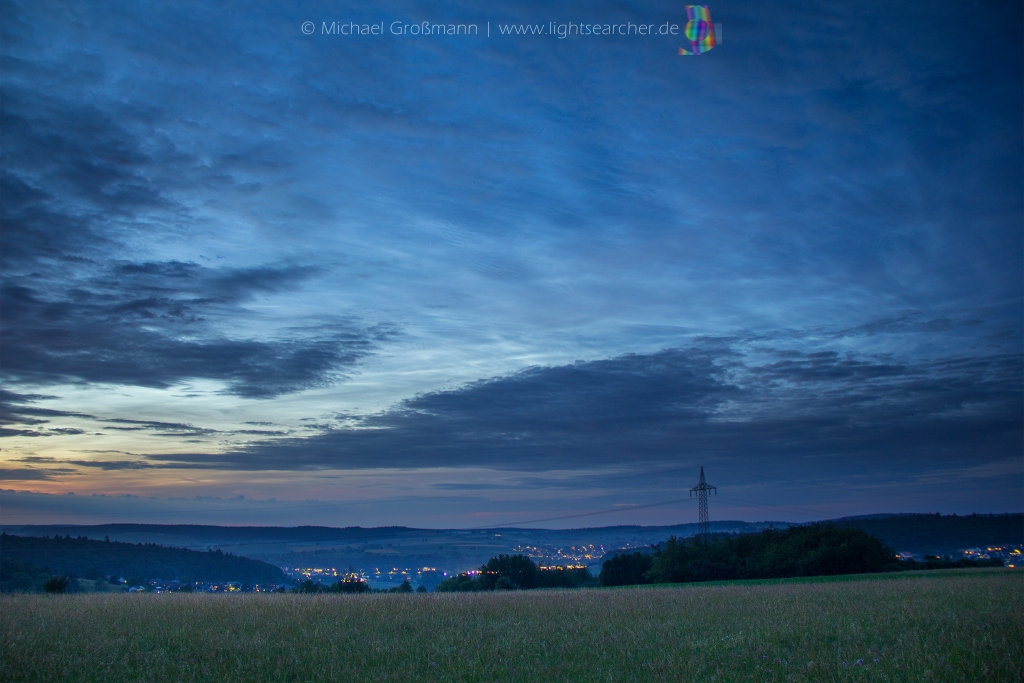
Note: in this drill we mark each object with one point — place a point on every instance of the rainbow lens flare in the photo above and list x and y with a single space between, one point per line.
699 30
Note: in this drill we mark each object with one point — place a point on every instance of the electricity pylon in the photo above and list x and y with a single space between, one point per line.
701 489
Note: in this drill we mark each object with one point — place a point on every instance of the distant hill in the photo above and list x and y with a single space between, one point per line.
90 558
448 550
940 534
456 550
197 536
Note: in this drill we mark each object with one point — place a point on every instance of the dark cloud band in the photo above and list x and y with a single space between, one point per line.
711 403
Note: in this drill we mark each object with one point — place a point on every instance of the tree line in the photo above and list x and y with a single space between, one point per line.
941 534
91 559
352 585
515 572
811 550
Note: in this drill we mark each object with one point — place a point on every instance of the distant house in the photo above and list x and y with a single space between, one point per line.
975 553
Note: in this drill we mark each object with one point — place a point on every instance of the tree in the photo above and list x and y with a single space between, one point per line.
513 572
458 584
519 569
505 584
626 569
94 558
57 584
811 550
20 581
20 575
350 586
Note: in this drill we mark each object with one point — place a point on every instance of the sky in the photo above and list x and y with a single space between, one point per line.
255 271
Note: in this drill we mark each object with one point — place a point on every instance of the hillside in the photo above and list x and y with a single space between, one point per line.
89 558
449 550
940 534
457 550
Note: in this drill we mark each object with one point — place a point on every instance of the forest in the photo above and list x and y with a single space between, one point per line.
27 560
810 550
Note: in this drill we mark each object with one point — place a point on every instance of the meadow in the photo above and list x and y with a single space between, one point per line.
923 626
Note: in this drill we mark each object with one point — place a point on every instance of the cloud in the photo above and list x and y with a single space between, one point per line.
32 507
108 465
6 431
711 403
133 336
19 417
552 184
78 188
272 224
31 474
17 409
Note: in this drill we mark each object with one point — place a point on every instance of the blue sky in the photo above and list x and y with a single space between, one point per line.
252 275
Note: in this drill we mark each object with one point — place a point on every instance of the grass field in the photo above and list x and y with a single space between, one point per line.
928 626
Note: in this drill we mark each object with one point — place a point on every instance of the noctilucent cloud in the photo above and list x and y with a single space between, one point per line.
263 271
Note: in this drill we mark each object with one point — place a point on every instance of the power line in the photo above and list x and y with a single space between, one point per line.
582 514
783 508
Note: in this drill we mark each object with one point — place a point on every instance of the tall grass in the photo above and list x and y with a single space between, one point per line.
948 626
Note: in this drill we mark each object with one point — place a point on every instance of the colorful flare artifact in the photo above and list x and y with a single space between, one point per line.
699 30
